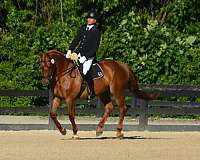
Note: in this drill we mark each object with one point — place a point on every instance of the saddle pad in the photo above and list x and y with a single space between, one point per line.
96 71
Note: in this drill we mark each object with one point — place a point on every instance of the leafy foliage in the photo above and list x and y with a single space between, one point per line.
159 39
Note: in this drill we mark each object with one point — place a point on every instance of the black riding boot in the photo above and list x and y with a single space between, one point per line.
90 83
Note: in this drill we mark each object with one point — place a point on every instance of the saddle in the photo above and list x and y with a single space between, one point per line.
95 71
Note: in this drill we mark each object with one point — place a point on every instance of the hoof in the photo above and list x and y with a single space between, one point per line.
120 135
63 131
75 137
99 132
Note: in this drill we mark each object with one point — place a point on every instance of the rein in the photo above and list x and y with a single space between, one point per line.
68 70
53 69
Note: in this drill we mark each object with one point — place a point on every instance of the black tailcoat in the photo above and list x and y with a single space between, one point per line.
86 42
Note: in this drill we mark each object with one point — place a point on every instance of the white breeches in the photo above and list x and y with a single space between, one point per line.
86 65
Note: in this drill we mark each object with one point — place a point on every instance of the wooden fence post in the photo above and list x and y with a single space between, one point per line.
51 125
143 120
133 102
98 102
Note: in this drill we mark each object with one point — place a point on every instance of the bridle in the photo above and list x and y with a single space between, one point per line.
52 68
52 76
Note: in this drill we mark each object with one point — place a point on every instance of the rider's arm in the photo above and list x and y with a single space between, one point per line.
76 40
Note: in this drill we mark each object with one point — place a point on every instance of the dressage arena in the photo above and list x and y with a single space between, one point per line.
50 145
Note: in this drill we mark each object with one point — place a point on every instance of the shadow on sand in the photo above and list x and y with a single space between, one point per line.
111 138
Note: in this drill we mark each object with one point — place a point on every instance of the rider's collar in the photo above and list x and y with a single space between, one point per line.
90 26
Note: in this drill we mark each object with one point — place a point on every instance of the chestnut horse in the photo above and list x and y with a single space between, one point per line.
65 82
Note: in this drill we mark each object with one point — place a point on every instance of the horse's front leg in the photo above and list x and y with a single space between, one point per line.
53 113
71 112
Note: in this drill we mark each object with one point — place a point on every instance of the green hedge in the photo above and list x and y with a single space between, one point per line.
160 40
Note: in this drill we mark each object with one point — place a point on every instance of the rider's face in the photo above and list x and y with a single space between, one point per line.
91 21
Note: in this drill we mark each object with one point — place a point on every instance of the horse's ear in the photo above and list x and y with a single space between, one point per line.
40 54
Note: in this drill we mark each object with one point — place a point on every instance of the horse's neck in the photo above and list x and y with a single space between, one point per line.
58 60
63 66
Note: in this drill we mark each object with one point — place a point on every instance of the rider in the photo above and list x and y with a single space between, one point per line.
86 44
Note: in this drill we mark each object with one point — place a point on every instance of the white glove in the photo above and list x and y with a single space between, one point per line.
82 59
69 52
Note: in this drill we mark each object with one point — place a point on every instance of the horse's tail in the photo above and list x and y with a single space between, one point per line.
133 87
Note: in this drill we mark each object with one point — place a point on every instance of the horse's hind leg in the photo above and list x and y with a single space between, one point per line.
105 98
53 114
122 106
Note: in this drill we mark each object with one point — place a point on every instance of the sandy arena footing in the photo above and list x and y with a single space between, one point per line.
50 145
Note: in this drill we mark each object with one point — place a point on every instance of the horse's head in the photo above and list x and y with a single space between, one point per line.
47 67
52 63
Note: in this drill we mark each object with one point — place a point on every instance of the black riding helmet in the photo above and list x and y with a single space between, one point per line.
93 13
